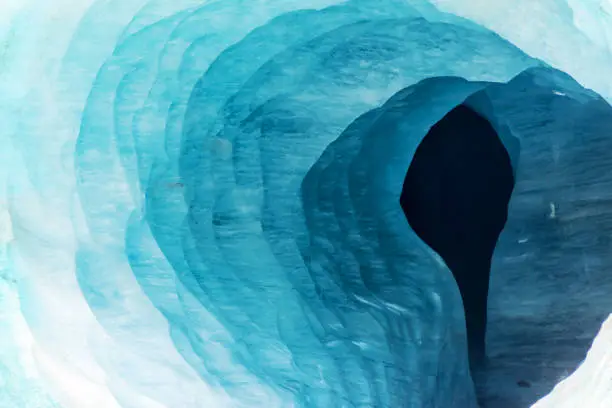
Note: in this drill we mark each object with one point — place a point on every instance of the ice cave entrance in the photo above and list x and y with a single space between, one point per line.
455 197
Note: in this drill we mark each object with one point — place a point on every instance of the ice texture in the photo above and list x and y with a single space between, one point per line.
200 200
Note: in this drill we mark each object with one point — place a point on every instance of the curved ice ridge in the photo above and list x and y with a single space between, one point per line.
591 384
204 196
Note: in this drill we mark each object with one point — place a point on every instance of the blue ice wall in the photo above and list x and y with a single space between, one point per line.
204 199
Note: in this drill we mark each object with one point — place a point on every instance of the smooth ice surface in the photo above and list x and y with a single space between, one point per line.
200 200
591 384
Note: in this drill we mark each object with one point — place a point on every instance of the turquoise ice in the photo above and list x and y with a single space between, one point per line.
200 198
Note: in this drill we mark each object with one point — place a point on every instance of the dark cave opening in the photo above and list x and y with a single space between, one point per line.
455 197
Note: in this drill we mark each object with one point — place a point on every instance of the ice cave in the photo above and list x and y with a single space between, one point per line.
455 198
306 204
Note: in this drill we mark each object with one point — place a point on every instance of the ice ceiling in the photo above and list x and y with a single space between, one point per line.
202 203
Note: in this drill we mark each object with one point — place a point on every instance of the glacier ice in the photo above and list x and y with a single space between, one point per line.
201 202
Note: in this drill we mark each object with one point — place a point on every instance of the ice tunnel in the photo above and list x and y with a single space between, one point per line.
462 175
320 204
455 197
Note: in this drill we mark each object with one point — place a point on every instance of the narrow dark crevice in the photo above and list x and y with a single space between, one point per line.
455 197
